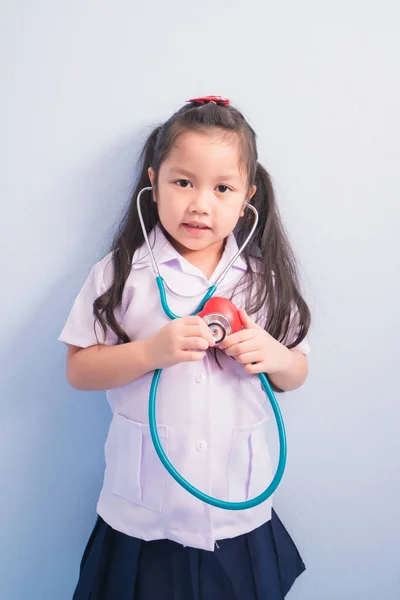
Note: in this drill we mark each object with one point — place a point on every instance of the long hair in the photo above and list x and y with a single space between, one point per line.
273 287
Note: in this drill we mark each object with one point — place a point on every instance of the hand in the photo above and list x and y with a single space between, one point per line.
182 340
254 345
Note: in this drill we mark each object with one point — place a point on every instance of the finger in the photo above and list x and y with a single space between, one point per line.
254 369
249 357
208 331
242 348
196 331
192 320
247 321
194 343
191 356
236 338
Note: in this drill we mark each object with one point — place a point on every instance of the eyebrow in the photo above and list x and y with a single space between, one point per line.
178 170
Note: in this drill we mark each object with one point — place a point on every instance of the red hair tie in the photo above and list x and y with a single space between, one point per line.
215 99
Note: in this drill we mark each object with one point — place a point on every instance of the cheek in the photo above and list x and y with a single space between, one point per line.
229 216
169 210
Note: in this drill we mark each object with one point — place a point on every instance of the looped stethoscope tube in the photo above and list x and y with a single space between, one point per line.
264 382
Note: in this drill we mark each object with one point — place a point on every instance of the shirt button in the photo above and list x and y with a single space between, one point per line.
199 377
201 445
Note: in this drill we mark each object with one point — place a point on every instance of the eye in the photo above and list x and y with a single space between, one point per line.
182 181
223 190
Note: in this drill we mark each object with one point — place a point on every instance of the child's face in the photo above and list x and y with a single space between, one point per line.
201 183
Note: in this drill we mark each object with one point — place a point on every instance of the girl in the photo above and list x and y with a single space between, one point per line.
152 539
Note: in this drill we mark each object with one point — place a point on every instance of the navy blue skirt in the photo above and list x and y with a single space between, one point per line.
261 565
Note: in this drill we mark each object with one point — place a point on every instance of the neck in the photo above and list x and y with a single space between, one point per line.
206 260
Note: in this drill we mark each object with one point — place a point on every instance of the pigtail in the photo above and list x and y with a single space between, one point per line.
128 238
274 289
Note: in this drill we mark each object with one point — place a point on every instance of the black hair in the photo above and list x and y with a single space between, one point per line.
273 287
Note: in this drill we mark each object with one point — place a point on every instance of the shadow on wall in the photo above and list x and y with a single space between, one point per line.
53 435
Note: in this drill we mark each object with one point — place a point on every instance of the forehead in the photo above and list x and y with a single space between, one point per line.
212 152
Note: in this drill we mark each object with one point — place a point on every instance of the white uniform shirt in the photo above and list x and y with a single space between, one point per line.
212 423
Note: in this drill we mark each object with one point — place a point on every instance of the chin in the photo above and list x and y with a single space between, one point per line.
194 244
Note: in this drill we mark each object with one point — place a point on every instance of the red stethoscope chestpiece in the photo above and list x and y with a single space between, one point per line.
222 317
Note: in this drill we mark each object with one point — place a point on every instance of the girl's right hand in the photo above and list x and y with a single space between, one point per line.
182 340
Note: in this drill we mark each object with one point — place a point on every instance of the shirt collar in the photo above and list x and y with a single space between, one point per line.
164 252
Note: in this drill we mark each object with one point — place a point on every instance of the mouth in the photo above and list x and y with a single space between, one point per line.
196 227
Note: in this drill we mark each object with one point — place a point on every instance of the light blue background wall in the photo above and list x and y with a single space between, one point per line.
82 82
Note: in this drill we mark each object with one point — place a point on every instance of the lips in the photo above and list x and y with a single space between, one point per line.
196 229
196 225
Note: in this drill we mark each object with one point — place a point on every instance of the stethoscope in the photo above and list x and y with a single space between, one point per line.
222 318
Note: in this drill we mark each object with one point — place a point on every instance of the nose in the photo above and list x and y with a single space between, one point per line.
201 202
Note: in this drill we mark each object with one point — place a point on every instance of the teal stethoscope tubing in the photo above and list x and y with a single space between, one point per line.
152 408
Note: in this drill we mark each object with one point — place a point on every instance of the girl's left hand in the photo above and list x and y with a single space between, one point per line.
254 345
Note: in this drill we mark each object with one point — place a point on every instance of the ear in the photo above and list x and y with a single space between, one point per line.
150 173
251 194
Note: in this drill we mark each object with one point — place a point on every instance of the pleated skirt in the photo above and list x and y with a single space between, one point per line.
260 565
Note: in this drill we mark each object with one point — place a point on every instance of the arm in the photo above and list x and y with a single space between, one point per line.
103 367
294 373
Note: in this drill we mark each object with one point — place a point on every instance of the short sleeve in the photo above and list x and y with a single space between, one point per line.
294 327
81 328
